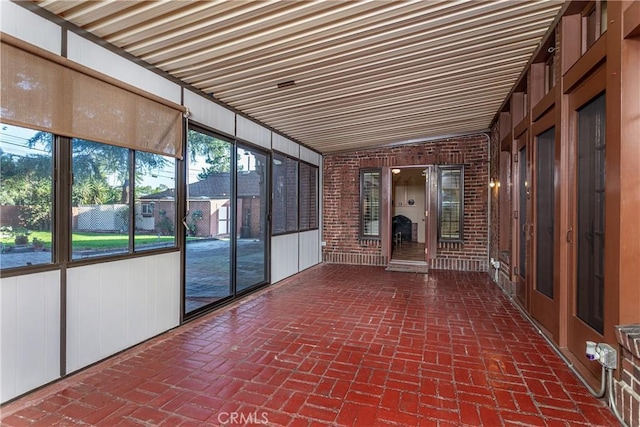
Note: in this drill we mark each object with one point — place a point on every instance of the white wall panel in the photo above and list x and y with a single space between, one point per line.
115 334
100 59
284 256
30 341
253 132
164 275
138 317
20 23
284 145
115 305
209 113
309 249
83 316
8 338
310 156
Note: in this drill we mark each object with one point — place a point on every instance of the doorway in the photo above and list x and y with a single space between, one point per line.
544 292
588 314
226 237
587 306
410 201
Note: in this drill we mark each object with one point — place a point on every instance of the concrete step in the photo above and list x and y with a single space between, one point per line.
408 266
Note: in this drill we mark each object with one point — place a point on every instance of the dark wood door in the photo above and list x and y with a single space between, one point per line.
586 316
544 305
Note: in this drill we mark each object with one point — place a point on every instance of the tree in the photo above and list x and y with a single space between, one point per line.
97 160
217 152
27 182
95 164
93 191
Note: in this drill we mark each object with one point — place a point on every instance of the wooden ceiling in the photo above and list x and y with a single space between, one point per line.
366 73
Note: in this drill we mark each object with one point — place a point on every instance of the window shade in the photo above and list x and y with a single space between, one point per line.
43 91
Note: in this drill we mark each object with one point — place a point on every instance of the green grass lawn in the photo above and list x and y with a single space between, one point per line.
92 241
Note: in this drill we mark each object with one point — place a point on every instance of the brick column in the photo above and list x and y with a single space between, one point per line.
628 389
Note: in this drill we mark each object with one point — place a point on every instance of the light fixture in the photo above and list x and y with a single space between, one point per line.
395 171
494 183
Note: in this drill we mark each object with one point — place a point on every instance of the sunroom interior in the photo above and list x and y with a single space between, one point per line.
163 159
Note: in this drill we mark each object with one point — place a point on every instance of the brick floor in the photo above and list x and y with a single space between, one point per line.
334 346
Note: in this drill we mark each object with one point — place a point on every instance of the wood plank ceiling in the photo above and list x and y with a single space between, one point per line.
366 73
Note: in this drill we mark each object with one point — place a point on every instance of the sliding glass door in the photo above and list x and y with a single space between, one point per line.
207 232
252 209
225 222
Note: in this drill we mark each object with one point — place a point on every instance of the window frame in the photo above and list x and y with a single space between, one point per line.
131 249
315 201
363 204
460 237
286 189
54 158
156 210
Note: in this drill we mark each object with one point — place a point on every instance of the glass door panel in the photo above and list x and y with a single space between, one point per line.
590 213
544 304
523 241
545 212
207 230
251 209
522 212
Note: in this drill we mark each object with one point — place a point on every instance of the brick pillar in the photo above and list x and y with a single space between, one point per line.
628 389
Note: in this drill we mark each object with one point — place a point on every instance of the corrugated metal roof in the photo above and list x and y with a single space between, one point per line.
366 73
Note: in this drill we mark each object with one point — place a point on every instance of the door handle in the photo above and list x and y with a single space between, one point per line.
569 235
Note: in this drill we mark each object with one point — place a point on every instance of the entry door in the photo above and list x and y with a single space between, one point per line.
544 306
587 318
523 202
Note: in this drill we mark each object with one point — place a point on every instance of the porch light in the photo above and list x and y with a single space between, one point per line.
395 171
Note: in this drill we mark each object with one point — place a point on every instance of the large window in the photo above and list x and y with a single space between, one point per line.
370 193
26 195
113 210
450 203
109 203
308 197
284 194
155 201
100 199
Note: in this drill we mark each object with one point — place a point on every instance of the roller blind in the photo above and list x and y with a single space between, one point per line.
43 91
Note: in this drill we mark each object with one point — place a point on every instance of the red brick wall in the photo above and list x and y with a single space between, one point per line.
627 390
341 197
